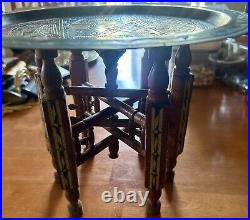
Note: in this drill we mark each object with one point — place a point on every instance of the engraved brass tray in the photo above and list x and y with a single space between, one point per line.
119 27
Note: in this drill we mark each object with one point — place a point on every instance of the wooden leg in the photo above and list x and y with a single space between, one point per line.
79 75
110 59
157 104
146 65
43 109
114 148
180 99
75 205
154 203
91 136
59 130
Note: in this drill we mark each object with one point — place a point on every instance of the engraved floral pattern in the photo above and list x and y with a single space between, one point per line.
122 29
107 27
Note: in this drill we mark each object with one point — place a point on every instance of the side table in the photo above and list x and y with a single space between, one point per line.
159 121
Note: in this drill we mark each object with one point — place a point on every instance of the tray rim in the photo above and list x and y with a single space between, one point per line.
132 43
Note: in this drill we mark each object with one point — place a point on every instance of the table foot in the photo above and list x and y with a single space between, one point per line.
153 203
113 149
91 136
75 209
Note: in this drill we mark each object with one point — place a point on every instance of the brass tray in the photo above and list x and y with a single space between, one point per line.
119 27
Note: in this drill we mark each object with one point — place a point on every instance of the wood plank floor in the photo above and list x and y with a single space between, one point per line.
211 174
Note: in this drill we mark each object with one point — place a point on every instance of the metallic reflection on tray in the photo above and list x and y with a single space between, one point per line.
116 27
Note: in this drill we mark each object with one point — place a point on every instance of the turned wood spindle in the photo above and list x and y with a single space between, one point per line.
146 64
110 59
79 75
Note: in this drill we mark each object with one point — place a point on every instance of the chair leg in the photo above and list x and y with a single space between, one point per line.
157 105
59 131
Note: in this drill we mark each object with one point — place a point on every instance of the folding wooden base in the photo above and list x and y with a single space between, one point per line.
155 128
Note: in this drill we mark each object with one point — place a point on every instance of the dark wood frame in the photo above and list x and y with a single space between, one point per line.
160 120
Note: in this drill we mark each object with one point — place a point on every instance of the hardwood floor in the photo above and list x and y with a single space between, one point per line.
211 174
